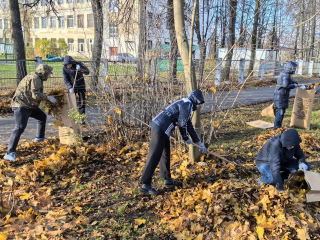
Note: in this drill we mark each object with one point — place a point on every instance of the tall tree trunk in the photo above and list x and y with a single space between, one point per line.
301 30
224 25
142 38
215 37
190 76
254 37
232 35
242 37
313 29
274 36
296 44
97 45
17 35
173 41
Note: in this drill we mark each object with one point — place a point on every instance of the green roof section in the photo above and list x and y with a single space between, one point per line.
165 48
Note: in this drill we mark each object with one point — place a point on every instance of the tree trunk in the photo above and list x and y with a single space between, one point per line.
190 76
313 30
17 35
224 25
97 45
254 37
301 31
173 41
274 36
232 35
242 37
296 44
142 38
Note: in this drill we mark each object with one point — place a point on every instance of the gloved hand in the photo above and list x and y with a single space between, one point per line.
52 99
303 87
71 90
303 167
188 141
203 148
295 85
78 66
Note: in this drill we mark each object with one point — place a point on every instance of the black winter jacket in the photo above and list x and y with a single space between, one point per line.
69 74
275 153
178 114
281 94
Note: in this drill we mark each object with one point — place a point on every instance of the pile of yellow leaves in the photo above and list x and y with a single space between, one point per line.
54 109
5 103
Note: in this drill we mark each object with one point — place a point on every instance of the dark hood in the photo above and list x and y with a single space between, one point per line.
290 67
290 138
43 71
196 97
69 60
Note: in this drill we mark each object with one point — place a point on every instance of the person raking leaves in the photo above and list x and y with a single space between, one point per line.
25 104
176 114
280 156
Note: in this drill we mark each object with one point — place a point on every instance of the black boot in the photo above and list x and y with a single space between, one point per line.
172 182
148 189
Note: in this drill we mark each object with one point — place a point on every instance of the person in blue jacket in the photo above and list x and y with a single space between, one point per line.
176 114
73 69
282 92
280 156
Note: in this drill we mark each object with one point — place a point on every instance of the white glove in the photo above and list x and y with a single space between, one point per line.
78 66
203 148
303 87
303 167
71 90
52 99
188 141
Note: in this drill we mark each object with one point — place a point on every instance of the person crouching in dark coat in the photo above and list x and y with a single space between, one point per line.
71 70
282 92
281 153
176 114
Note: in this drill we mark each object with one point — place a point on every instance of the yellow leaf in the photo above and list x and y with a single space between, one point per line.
110 120
107 79
3 236
57 123
24 196
78 209
302 233
117 110
213 90
139 221
250 154
260 232
199 237
217 124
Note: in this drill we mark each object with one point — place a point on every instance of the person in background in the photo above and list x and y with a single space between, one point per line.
280 156
282 92
73 78
25 104
176 114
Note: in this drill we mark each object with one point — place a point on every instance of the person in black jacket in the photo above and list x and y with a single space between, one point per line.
71 70
176 114
282 92
281 153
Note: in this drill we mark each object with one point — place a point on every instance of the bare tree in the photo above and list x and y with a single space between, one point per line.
254 36
173 42
142 38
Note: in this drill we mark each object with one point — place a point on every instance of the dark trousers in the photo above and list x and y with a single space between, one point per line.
279 118
81 101
159 151
21 116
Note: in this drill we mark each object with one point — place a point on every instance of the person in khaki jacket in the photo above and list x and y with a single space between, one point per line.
25 104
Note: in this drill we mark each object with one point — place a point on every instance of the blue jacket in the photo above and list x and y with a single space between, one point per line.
281 94
69 74
178 114
275 153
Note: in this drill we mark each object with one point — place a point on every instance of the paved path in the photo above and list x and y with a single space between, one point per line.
246 97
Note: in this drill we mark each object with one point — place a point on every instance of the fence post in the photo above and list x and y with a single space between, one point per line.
38 61
310 72
241 70
104 74
261 70
276 71
300 67
218 72
153 72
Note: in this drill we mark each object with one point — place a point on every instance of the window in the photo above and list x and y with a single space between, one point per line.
89 0
53 21
5 24
69 1
90 20
79 1
149 44
81 45
61 21
4 4
150 17
70 44
44 22
36 40
113 30
90 45
54 42
80 21
0 23
113 51
113 5
36 22
43 2
1 40
60 2
70 21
